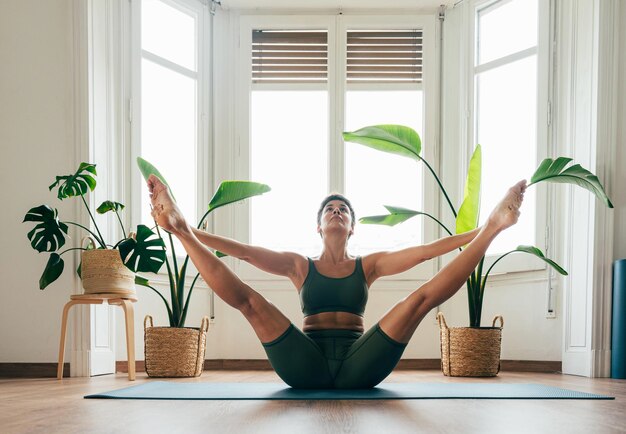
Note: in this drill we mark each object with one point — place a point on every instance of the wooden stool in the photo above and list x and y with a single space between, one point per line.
126 301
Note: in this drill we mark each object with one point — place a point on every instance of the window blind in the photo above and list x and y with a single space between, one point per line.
288 56
385 56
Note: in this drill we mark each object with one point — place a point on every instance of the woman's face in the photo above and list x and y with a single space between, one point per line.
336 217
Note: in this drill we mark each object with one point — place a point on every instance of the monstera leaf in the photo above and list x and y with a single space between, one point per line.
49 234
108 205
395 139
77 184
234 191
54 268
552 171
467 219
145 253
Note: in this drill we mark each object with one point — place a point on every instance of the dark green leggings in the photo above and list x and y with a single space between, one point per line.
333 359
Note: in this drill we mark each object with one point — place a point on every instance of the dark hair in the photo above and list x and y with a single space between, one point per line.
335 196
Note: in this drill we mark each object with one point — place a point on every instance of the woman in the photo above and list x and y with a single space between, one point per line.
332 350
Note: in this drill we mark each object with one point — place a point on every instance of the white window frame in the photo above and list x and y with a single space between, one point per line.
517 262
203 156
337 27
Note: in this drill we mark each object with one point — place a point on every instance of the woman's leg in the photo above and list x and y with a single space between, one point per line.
400 322
267 321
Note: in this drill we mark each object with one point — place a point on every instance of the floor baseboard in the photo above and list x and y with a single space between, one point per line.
33 370
49 370
404 364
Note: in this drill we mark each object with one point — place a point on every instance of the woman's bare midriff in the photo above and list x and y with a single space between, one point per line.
333 320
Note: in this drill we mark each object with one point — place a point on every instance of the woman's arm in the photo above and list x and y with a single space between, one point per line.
281 263
389 263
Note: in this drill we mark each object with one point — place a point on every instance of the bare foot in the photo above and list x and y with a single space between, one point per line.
507 212
164 209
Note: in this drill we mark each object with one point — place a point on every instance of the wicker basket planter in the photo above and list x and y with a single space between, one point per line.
174 351
470 351
102 271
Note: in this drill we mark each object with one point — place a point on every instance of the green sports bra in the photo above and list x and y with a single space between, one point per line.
321 293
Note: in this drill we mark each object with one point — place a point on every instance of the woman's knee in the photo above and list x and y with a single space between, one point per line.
253 304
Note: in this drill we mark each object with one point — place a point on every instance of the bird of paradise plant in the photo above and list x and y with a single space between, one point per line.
404 141
226 193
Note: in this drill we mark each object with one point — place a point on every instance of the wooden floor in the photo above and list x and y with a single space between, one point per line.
51 406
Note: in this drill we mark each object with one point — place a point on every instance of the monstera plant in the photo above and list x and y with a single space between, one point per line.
226 193
404 141
50 233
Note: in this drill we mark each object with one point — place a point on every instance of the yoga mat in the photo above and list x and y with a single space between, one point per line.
618 337
268 391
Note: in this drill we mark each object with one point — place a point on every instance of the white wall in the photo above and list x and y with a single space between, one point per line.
619 200
37 143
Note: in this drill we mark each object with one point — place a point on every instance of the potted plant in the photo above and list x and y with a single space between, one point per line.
102 269
463 354
178 351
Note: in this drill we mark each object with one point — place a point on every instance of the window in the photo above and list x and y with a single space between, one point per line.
169 99
310 78
384 86
289 119
510 116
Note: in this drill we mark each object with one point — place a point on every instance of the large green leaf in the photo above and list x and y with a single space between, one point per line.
552 171
538 253
78 183
234 191
147 169
54 268
145 253
49 234
395 139
467 219
524 249
396 215
109 205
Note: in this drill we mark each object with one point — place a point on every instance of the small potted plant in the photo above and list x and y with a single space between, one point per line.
473 350
102 269
176 350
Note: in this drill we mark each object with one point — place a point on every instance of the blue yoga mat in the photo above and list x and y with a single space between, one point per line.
267 391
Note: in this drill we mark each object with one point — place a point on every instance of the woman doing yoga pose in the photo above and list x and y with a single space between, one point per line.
333 350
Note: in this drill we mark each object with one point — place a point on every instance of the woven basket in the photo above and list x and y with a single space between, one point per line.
102 271
470 351
174 351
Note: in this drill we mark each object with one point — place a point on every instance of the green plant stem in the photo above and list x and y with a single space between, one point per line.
121 224
88 230
167 306
73 248
184 316
440 224
496 261
472 312
443 190
101 239
179 279
175 306
206 214
176 276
